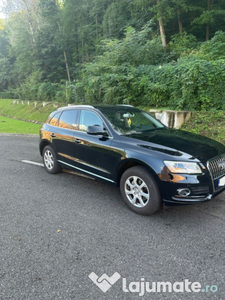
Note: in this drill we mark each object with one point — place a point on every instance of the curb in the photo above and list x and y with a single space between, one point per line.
19 119
19 134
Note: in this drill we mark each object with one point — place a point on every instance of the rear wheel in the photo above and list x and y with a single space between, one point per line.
140 191
50 161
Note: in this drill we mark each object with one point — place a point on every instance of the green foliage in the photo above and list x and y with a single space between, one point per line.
34 89
116 19
6 74
182 44
190 84
22 52
193 84
209 124
110 51
2 24
213 49
29 89
47 91
197 84
8 95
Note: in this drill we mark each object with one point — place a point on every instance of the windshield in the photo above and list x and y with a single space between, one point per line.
129 120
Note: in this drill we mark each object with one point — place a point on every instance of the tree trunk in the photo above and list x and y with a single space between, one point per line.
180 23
67 66
64 54
207 25
30 23
162 32
207 33
161 26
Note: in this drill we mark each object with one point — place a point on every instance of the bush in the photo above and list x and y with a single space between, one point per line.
182 44
192 84
29 89
197 84
213 49
8 95
47 91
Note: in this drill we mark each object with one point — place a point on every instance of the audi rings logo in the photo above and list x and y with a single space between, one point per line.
221 164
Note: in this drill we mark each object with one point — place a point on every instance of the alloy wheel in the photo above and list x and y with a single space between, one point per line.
137 191
49 159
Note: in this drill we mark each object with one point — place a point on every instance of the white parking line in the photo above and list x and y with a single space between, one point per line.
33 163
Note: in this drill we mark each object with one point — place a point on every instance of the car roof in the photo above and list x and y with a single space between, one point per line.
71 106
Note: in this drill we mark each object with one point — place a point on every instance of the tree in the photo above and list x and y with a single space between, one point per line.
210 12
116 18
22 44
30 10
180 7
80 28
51 14
5 62
161 11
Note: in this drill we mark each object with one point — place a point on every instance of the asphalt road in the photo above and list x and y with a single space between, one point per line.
55 230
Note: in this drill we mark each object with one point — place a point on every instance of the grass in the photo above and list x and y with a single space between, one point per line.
8 125
209 123
25 111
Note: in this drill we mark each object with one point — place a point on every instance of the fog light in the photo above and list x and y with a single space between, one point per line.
184 192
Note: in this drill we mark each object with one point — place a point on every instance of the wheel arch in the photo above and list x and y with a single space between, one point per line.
132 163
43 144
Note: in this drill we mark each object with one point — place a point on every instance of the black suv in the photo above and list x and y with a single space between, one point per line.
123 145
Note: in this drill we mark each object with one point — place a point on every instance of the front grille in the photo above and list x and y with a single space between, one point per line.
216 166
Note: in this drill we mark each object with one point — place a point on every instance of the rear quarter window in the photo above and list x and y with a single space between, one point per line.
50 117
53 121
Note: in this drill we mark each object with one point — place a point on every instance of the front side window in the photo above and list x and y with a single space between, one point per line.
129 120
69 119
89 118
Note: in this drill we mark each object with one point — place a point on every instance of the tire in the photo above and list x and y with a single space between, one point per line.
50 162
140 191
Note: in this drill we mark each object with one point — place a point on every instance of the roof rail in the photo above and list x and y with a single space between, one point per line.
125 105
74 106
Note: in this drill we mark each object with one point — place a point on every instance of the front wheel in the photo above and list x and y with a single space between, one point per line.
140 191
50 161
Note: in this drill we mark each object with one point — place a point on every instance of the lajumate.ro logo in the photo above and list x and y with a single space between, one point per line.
142 287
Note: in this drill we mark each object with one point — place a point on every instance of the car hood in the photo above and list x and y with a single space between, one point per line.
178 142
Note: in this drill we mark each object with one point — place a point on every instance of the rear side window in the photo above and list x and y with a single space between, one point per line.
69 119
54 119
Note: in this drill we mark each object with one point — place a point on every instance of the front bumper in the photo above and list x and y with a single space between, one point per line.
194 198
201 188
187 200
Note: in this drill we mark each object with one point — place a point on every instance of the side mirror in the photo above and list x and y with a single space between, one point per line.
96 130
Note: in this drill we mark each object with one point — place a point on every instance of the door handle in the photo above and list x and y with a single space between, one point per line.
52 135
77 141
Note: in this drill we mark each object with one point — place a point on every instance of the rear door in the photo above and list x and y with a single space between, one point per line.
63 135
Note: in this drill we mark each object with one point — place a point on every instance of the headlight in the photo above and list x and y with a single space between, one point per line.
183 167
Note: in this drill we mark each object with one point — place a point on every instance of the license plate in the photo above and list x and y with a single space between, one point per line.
221 181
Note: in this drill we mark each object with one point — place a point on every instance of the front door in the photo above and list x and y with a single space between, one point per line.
94 153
